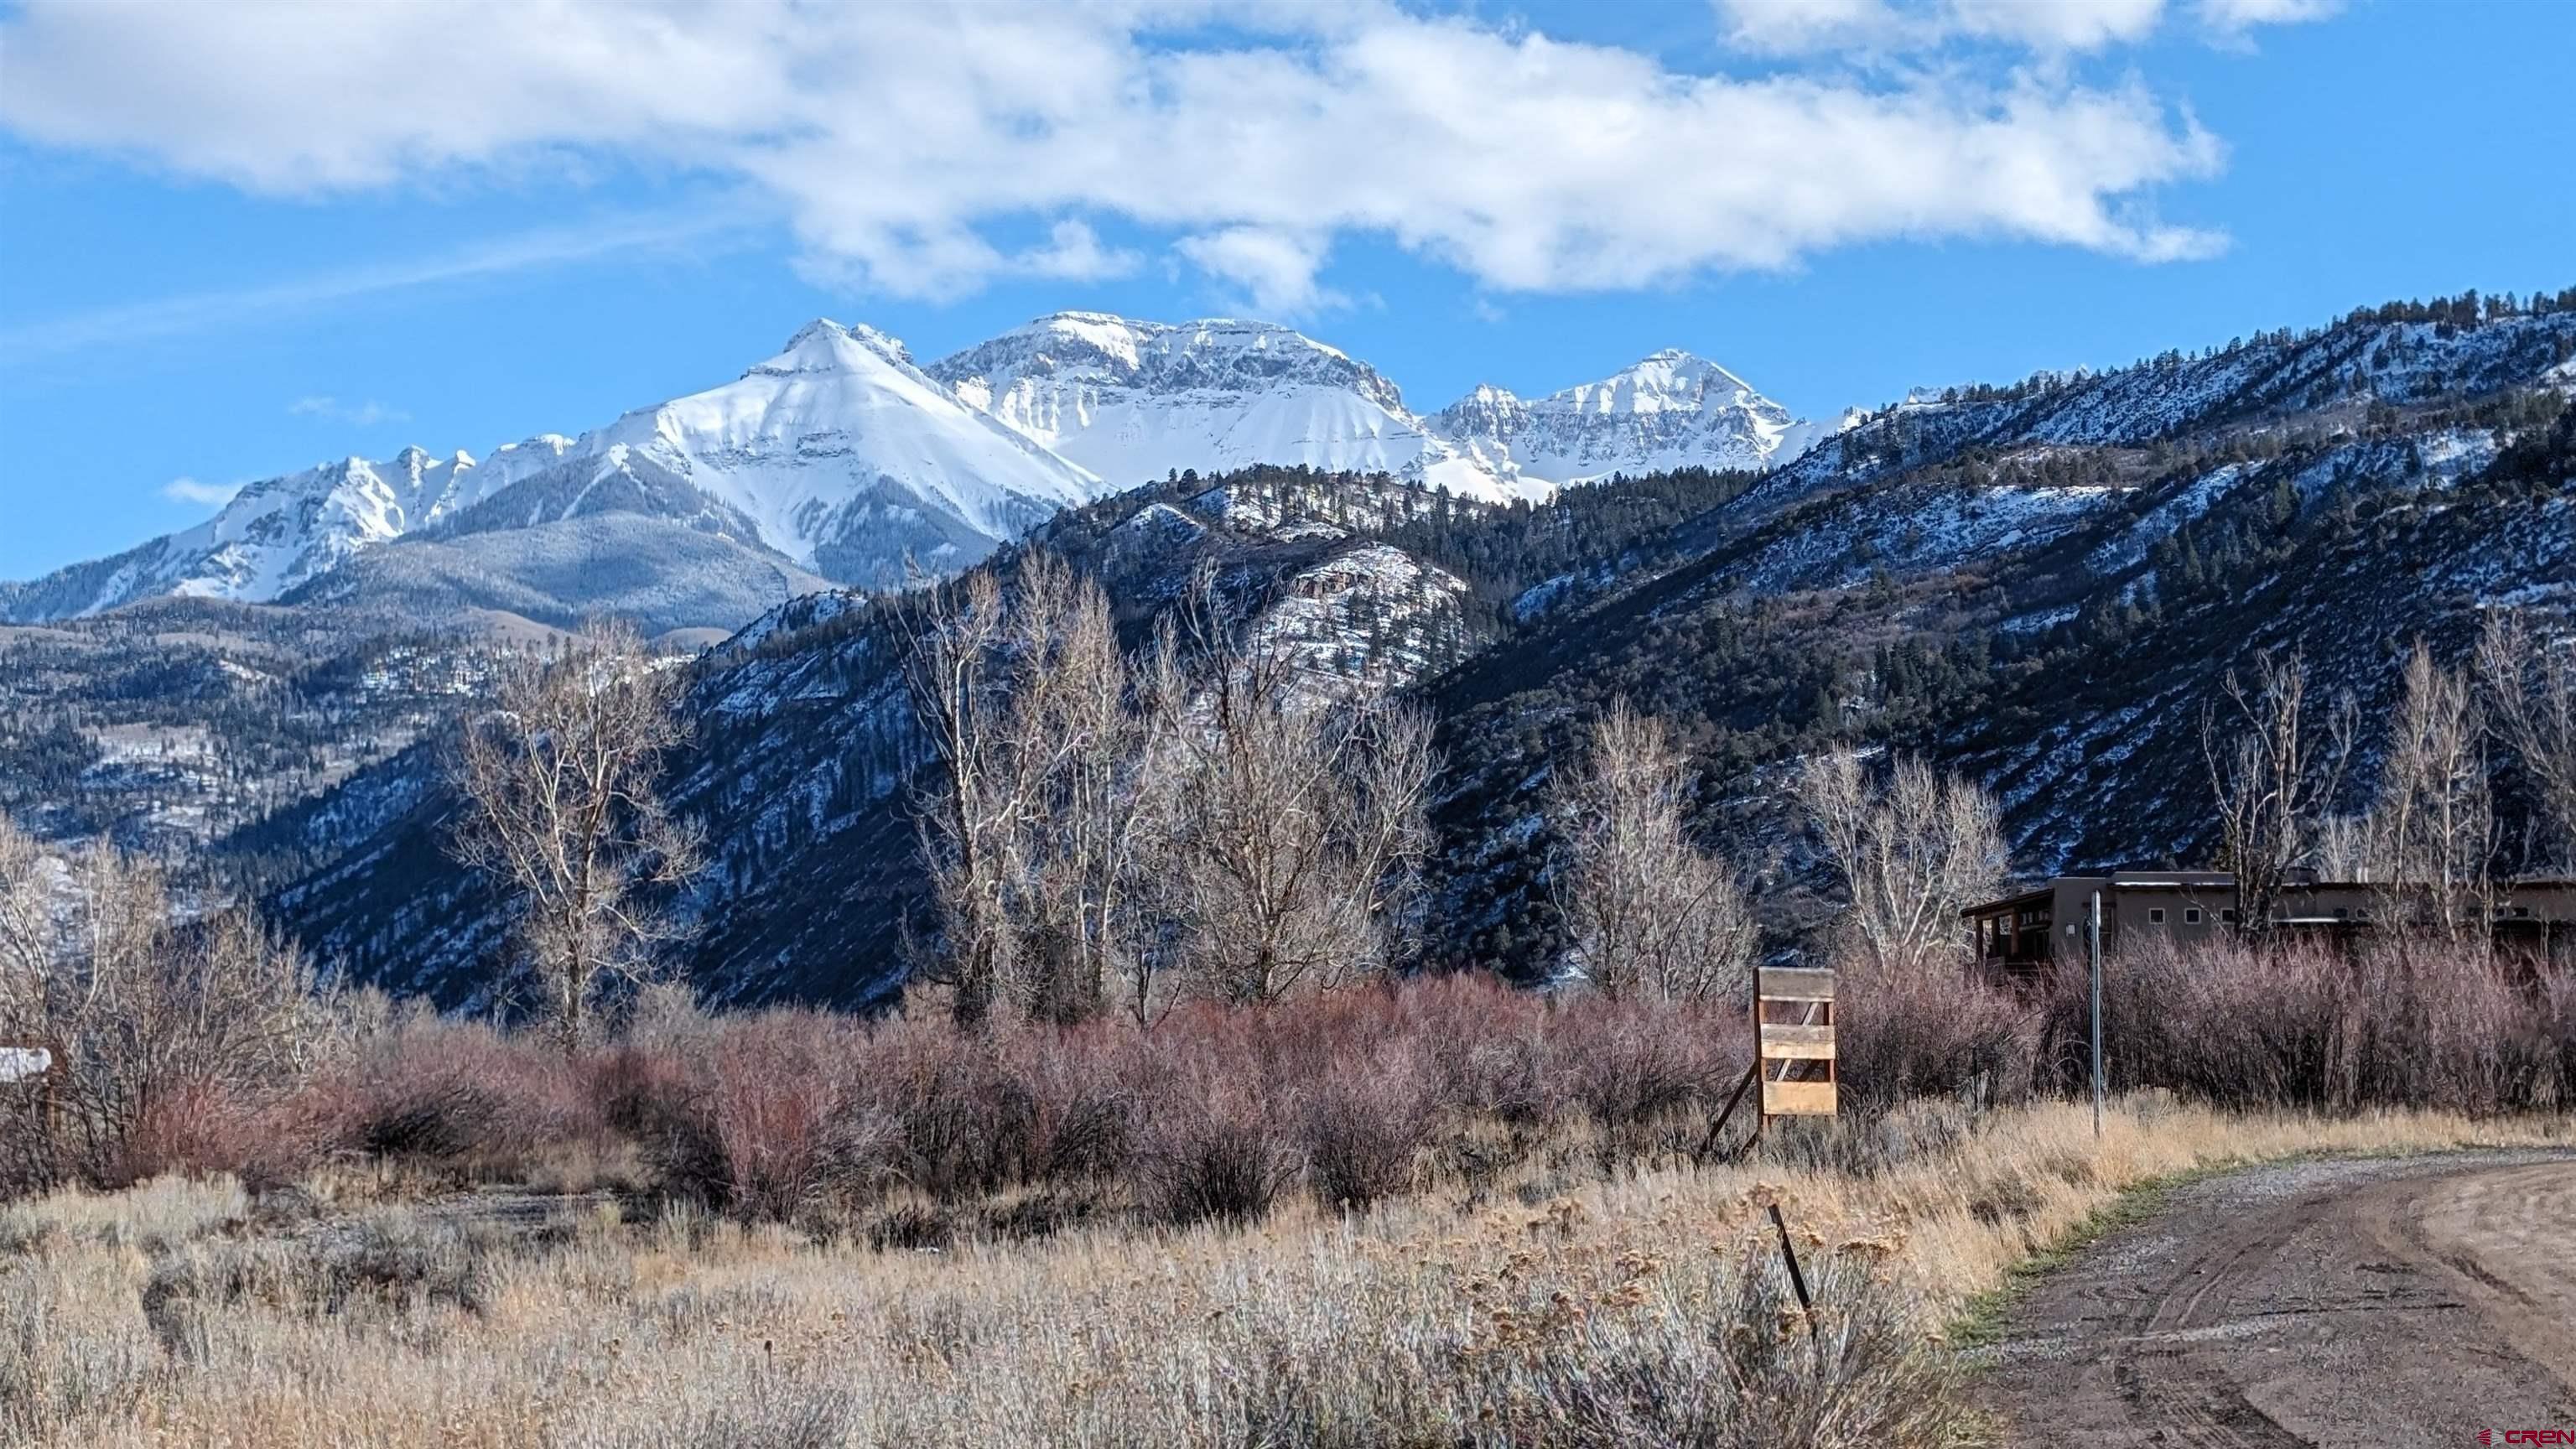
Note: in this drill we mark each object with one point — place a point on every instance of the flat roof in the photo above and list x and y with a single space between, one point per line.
2192 880
2039 896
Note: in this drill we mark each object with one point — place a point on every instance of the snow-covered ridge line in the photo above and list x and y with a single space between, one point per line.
842 456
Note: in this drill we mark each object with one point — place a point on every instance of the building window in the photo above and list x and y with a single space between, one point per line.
2156 915
2343 913
2228 914
2191 915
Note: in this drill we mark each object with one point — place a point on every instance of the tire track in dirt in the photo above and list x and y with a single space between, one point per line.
2381 1302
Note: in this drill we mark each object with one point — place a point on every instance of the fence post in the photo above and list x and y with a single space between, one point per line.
1789 1252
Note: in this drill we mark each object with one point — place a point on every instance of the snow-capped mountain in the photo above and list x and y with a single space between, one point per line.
836 456
1133 401
842 459
1672 410
839 454
272 536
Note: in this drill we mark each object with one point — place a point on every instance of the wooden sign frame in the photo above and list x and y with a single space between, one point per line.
46 1082
1793 1030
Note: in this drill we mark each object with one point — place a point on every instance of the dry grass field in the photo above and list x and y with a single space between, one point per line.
1634 1306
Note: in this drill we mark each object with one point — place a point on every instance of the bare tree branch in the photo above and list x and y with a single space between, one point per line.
2274 772
1644 909
562 813
1912 854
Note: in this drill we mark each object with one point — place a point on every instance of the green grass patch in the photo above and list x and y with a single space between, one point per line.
1980 1321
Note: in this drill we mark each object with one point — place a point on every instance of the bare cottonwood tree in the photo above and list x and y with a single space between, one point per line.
1111 830
1040 816
1644 909
952 665
1303 831
2349 847
29 933
562 811
1913 853
2430 832
2531 700
2274 770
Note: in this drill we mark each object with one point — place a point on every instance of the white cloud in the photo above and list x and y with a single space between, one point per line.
199 495
1799 27
900 140
1073 252
2059 24
363 415
2047 27
1274 270
2232 18
199 312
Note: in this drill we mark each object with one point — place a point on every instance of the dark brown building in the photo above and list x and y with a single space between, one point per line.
2024 932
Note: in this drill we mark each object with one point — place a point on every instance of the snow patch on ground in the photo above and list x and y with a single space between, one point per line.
1945 530
1363 619
2194 499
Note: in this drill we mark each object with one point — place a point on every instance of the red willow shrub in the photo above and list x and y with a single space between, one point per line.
1365 1119
1079 1088
1485 1045
778 1103
1632 1064
460 1095
210 1126
2398 1021
1215 1144
1214 1113
1937 1032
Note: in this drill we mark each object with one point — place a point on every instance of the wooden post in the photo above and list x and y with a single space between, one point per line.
1708 1144
2095 932
42 1081
1761 1115
1789 1252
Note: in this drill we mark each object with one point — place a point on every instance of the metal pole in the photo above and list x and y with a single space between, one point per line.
2095 933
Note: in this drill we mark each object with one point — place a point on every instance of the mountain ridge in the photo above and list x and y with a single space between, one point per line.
844 457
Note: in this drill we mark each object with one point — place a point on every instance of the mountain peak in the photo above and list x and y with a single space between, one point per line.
1131 400
1669 409
822 329
824 345
1673 372
1077 317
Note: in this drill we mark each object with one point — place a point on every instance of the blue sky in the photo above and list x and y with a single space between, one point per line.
235 248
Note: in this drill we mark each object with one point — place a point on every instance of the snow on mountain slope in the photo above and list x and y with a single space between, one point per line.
660 575
1669 411
1357 621
837 454
272 536
842 455
1134 401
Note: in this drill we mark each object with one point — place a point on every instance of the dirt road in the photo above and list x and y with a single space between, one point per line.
2400 1302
